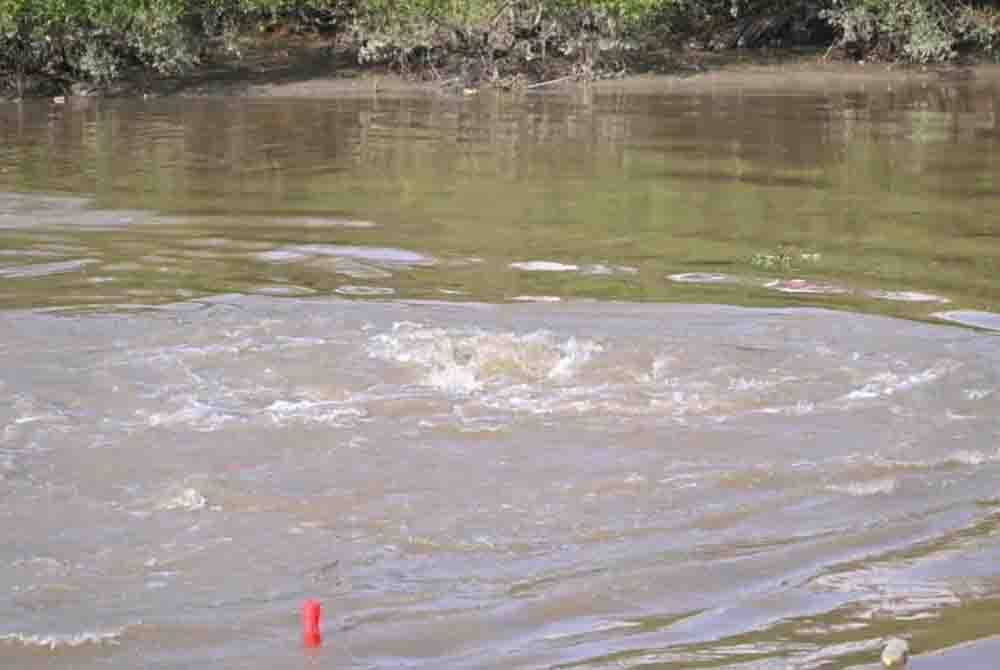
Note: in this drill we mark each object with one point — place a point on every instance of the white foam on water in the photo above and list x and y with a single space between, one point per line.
364 291
681 403
957 458
127 266
742 384
454 378
577 629
386 255
284 412
801 408
887 591
37 417
45 269
804 286
349 267
30 253
970 457
888 383
536 298
661 364
978 394
543 266
284 290
208 242
281 256
966 457
463 262
389 256
285 341
464 361
971 317
62 641
875 487
702 278
906 296
684 480
187 500
316 222
194 414
831 654
42 564
600 270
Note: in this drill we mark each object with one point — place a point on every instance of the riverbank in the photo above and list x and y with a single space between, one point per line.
461 47
311 68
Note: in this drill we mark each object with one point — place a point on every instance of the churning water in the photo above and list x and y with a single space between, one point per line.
675 379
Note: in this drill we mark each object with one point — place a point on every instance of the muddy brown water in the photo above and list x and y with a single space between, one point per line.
671 376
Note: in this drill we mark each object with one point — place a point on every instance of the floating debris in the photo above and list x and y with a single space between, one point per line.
896 653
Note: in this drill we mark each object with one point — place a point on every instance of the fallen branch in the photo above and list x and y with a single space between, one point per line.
550 82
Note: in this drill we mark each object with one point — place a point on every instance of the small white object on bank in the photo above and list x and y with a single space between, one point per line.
896 653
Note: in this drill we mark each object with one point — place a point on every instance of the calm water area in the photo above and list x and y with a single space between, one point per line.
669 375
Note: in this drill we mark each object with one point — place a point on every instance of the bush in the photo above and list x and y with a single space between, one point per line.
100 40
921 31
92 40
97 40
979 28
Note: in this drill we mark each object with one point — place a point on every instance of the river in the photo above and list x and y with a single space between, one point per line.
652 376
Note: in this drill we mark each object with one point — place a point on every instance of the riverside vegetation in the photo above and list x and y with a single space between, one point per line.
49 46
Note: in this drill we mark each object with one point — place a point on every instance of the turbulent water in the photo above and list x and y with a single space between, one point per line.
657 379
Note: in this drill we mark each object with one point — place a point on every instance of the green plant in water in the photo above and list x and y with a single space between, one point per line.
785 258
777 261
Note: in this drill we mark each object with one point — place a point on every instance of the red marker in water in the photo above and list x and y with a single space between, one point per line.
310 624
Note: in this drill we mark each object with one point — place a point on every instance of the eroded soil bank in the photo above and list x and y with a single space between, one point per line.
300 68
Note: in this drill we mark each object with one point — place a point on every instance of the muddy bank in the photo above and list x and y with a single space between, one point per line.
311 65
463 48
311 69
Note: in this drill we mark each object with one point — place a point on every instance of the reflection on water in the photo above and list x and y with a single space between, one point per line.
446 365
878 197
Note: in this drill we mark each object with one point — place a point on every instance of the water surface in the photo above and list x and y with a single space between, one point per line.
697 378
878 198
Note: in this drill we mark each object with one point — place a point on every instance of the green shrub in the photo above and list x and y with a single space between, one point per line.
921 31
100 40
979 28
